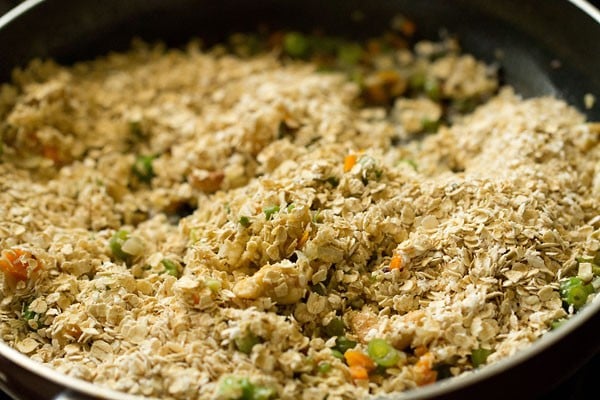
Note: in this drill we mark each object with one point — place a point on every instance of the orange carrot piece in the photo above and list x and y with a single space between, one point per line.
303 239
425 374
359 372
420 351
13 265
397 262
349 162
357 358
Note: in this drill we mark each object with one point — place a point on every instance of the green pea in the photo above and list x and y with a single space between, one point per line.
334 328
349 54
480 356
295 44
337 354
342 344
429 125
323 367
432 89
246 342
244 221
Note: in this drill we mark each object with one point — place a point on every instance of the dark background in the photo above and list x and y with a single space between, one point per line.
582 385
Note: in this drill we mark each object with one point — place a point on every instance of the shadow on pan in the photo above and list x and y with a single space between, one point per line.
545 47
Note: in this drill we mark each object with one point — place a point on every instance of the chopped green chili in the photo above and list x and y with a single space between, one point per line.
574 292
383 353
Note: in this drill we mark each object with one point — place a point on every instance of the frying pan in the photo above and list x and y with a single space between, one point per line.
545 47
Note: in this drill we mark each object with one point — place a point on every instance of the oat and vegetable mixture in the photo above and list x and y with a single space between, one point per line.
292 217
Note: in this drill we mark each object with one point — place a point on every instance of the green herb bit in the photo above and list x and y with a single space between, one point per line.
349 54
323 367
430 126
317 217
291 207
116 242
342 344
269 211
443 370
244 221
334 328
574 292
417 81
135 127
284 131
558 323
319 288
227 208
295 44
410 162
480 356
27 314
246 342
465 105
214 285
432 89
142 168
333 181
171 267
383 353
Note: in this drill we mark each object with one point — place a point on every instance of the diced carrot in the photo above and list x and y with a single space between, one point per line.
408 27
13 263
303 239
357 358
397 262
424 373
349 162
359 372
420 351
427 377
52 153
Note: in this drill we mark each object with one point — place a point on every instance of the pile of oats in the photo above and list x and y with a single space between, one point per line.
279 204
